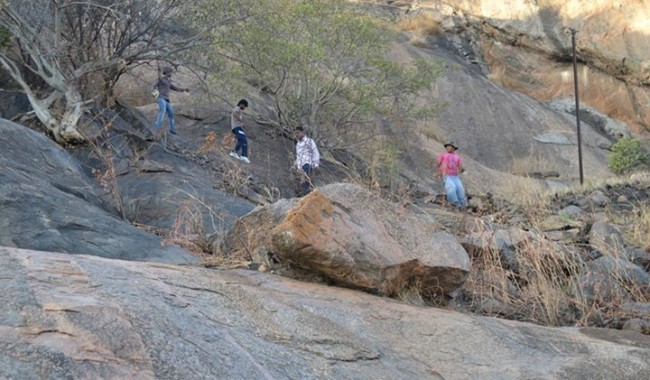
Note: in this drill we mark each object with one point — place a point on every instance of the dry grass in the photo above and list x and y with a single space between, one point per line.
190 231
210 143
431 130
235 179
528 193
419 27
501 76
531 193
539 282
641 226
532 286
533 163
638 220
423 24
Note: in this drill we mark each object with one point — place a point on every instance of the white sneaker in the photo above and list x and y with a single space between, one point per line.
245 159
235 155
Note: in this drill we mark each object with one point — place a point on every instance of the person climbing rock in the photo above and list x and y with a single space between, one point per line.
307 159
237 127
160 91
450 165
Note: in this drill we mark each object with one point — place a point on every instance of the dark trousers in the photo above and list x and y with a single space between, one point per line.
242 142
307 184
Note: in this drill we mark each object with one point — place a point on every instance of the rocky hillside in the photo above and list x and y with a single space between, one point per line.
88 317
83 317
525 45
144 256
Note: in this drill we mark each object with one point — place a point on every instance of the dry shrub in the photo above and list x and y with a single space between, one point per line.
228 142
539 282
210 143
107 178
413 295
270 193
603 307
224 262
546 272
235 179
419 27
189 230
419 41
641 226
533 287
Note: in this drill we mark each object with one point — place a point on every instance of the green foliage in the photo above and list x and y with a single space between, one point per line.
323 62
5 36
627 156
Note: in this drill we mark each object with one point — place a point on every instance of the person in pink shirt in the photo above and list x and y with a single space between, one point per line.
450 166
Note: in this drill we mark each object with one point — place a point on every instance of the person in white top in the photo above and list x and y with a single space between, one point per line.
307 159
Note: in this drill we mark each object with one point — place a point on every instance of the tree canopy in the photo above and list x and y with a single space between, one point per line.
320 63
324 64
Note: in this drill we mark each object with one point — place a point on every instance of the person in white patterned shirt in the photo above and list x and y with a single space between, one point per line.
307 159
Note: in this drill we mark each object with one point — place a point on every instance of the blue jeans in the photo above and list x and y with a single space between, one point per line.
242 142
165 106
307 184
455 191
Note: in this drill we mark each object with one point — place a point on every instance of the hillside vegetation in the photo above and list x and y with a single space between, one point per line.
380 86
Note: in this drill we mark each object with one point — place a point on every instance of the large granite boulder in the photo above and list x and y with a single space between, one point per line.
355 239
83 317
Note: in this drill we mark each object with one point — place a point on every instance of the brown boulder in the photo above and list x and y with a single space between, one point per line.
348 235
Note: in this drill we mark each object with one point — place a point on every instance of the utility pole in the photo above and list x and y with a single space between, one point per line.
575 85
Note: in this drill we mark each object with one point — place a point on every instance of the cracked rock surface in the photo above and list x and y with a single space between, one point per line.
81 317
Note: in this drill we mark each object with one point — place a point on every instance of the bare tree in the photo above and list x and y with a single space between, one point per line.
65 54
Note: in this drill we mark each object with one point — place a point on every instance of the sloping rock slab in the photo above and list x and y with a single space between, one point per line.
48 203
84 317
347 234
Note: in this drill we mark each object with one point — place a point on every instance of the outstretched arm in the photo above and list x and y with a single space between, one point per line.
176 88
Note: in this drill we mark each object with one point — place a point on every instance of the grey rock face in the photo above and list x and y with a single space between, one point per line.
556 138
639 257
49 204
83 317
13 104
606 238
571 211
157 187
622 271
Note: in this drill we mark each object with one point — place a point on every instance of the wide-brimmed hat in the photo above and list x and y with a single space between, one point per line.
452 143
